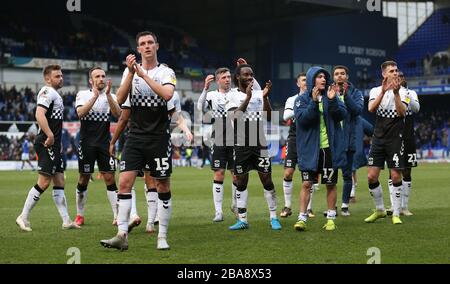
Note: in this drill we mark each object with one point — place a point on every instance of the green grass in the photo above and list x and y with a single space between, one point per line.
194 238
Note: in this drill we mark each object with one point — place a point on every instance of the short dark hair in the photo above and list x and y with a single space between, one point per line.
302 74
388 63
93 69
145 33
237 72
221 70
49 68
341 67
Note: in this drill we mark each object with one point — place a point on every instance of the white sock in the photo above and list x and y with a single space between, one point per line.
377 195
233 195
112 197
287 189
344 205
32 198
241 202
133 211
405 194
271 198
396 197
152 204
331 214
391 187
123 213
217 190
352 193
61 204
302 217
81 198
164 213
311 193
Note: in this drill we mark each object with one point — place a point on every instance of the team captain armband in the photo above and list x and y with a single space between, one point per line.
407 100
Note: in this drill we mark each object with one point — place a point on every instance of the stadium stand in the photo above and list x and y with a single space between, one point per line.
426 52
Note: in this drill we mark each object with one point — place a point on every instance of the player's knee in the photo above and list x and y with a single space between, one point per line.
109 178
162 185
407 175
44 184
307 185
372 178
84 179
233 177
241 187
288 174
241 182
269 186
396 176
125 185
331 187
219 175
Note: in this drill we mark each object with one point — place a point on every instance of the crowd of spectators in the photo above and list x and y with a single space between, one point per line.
22 37
432 123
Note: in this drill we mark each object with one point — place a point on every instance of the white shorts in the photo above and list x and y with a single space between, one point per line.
25 156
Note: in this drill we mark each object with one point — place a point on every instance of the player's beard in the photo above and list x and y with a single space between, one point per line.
100 86
59 85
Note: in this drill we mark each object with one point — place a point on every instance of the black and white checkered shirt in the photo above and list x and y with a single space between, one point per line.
96 116
50 99
388 124
57 114
95 124
147 101
253 116
387 113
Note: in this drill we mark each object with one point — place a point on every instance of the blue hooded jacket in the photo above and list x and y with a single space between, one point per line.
362 127
307 116
354 101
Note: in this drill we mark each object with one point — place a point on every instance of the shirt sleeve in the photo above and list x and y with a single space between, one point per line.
232 102
201 100
80 100
256 85
177 102
288 109
414 103
44 98
124 75
374 93
127 103
171 104
405 98
169 78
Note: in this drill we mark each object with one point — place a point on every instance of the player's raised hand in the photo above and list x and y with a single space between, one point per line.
108 87
95 90
208 81
315 94
241 61
396 86
345 91
189 136
331 94
139 71
387 85
130 61
267 89
249 89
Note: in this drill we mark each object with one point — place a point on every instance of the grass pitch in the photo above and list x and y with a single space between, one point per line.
195 239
